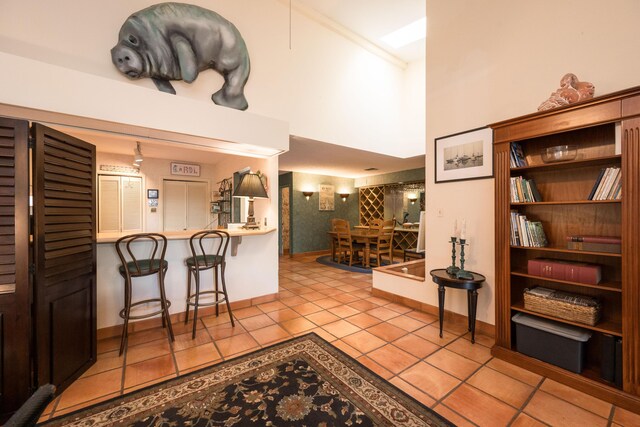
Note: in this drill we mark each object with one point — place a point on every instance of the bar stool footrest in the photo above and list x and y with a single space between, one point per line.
206 304
146 315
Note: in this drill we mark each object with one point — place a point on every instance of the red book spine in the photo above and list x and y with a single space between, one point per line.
562 270
534 267
556 270
589 274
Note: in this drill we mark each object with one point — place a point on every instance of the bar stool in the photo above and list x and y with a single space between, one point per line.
132 267
201 261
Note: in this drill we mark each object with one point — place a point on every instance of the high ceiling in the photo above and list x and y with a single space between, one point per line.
370 19
373 19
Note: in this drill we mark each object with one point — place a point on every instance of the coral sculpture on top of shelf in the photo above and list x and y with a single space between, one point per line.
571 90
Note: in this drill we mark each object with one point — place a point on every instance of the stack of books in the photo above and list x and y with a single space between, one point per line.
517 159
608 186
524 190
607 244
525 232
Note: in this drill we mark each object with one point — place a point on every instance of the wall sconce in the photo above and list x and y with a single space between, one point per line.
307 194
412 198
344 196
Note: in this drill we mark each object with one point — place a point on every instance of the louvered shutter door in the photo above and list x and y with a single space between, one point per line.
14 264
64 254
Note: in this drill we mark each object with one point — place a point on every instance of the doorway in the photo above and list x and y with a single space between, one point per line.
285 219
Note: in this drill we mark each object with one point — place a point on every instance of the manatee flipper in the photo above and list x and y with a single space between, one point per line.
232 92
164 86
187 60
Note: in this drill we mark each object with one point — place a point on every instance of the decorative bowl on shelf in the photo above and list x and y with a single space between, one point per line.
559 153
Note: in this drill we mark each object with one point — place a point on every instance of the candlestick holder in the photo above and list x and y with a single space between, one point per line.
452 269
462 273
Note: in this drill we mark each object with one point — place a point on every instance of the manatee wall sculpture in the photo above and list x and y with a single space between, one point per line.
175 41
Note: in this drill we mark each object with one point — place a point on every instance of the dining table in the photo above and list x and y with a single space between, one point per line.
358 235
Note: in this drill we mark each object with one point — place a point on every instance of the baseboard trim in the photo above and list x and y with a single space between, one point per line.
312 253
482 327
116 330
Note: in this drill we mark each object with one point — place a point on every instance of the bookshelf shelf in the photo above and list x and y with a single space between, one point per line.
565 202
567 251
604 326
606 131
597 161
612 286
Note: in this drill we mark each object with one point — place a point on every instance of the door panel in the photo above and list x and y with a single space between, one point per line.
175 200
197 201
64 254
15 326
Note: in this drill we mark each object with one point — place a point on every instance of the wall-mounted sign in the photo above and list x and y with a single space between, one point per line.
185 169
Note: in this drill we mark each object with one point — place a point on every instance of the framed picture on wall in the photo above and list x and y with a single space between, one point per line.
152 194
465 155
327 197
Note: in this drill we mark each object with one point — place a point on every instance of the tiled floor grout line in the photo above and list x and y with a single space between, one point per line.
298 280
526 402
611 414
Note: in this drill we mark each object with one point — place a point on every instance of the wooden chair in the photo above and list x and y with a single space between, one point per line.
383 245
376 224
344 243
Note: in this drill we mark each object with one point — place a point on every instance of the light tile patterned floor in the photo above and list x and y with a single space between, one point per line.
460 380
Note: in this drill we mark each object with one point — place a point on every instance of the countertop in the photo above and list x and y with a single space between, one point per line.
183 235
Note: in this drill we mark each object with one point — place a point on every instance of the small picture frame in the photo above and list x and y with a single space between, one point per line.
464 156
152 193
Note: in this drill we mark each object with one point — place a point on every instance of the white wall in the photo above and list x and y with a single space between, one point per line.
489 61
326 86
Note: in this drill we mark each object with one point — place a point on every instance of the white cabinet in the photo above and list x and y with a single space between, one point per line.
185 205
119 204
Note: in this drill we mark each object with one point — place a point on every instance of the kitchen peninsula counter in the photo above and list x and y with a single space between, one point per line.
251 271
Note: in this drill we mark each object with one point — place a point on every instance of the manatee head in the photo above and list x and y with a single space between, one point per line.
144 50
127 54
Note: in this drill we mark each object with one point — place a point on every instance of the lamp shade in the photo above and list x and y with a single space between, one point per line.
250 186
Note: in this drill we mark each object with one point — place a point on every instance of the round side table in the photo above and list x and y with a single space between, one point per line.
443 279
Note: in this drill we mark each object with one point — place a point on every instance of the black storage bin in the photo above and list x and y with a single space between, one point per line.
552 342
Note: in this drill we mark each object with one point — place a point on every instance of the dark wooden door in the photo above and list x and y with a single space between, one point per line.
64 255
15 324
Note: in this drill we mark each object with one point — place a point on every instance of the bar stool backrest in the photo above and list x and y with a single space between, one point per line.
134 263
217 239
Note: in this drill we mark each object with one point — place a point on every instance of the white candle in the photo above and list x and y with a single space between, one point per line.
463 233
455 228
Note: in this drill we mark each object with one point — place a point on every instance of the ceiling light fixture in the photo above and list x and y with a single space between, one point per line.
137 155
408 34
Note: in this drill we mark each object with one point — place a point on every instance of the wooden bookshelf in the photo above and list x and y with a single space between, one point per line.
606 131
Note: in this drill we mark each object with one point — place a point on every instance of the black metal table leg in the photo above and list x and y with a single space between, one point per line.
441 306
472 313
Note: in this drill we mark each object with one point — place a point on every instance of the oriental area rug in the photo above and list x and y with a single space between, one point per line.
301 382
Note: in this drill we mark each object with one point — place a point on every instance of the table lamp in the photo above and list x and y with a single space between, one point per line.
250 186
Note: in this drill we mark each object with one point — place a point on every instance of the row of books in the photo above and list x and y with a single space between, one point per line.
524 190
525 232
611 244
608 186
516 158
